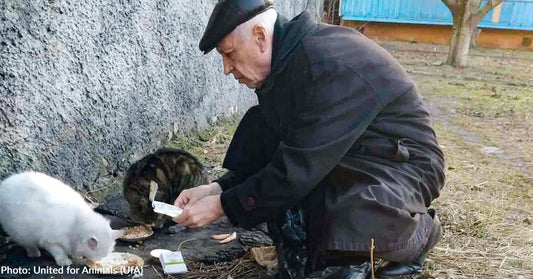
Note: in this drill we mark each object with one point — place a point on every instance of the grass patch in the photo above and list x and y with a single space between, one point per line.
479 99
509 53
208 145
499 115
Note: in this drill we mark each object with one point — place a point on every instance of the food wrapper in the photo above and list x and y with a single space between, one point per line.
161 207
167 209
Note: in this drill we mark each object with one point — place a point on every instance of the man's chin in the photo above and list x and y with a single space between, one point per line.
253 85
248 84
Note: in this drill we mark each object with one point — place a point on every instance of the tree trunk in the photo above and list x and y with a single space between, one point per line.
460 38
460 44
466 16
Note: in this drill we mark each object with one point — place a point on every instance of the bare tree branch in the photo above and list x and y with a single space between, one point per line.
453 5
475 4
482 12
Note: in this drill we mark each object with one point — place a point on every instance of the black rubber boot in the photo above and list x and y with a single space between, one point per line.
396 270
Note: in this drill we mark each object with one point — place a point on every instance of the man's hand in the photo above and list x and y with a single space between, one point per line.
201 213
191 196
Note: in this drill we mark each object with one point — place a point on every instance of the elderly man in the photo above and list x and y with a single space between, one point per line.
338 154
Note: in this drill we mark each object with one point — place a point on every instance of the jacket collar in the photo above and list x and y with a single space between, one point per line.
287 35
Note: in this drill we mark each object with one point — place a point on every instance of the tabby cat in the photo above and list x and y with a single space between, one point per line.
172 169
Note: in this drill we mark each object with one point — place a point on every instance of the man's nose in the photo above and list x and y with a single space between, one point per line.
227 66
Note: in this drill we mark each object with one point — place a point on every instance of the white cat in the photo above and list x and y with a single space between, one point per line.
37 210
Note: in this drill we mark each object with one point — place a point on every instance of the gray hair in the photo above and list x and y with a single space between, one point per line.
266 19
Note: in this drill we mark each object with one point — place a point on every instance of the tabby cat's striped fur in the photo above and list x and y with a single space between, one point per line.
173 169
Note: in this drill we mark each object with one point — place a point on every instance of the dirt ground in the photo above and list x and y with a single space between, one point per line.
483 117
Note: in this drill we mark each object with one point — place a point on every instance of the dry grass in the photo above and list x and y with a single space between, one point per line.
487 201
244 267
485 208
209 145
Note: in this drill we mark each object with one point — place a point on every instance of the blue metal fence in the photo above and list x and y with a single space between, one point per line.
513 14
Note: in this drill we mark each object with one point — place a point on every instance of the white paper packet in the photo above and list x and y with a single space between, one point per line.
167 209
161 207
172 262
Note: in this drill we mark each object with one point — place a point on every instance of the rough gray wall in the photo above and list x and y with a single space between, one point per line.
92 84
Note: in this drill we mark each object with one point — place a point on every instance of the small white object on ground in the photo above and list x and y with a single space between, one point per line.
172 263
157 252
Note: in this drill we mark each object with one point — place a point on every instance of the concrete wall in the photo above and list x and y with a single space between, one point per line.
87 87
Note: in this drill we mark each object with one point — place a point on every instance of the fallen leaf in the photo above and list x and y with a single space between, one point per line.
265 256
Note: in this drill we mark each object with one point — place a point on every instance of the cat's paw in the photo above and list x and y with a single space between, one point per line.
63 262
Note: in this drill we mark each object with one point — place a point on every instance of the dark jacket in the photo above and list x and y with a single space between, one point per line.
343 133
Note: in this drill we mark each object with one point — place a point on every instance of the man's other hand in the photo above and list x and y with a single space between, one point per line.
191 196
201 213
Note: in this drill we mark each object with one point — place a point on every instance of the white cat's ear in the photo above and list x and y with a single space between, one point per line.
92 243
117 233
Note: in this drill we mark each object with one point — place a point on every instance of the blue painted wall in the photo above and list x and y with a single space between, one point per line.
515 14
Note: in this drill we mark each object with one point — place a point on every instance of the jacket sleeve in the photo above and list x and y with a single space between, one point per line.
250 150
230 179
335 109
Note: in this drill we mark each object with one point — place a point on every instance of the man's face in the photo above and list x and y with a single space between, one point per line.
244 58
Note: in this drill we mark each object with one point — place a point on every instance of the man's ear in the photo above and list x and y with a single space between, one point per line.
260 37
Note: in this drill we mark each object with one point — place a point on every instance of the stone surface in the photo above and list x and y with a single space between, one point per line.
117 207
196 245
87 87
205 249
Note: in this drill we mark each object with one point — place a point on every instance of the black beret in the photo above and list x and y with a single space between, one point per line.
226 16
